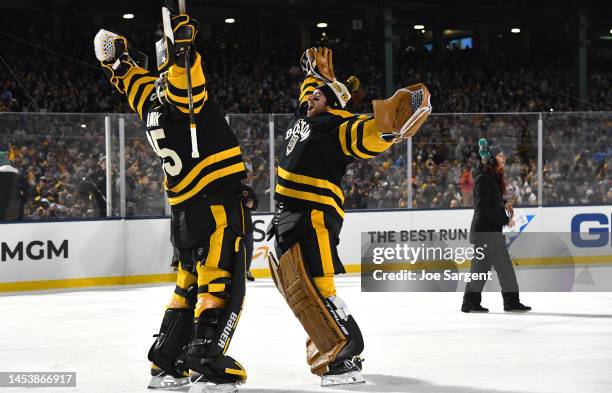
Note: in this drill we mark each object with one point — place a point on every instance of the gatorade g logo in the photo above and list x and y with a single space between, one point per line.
227 330
596 225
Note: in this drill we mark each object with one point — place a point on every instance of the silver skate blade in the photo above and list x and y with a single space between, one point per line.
207 387
349 378
167 382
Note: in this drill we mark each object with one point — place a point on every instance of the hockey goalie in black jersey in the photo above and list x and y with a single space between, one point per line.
203 183
309 213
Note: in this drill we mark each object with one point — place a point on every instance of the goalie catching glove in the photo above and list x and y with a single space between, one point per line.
112 51
318 62
400 116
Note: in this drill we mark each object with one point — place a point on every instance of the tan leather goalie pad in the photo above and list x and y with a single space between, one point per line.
404 113
295 284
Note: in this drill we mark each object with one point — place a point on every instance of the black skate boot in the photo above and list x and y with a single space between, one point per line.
343 372
249 276
467 308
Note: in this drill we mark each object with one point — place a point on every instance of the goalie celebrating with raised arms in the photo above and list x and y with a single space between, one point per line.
309 214
203 182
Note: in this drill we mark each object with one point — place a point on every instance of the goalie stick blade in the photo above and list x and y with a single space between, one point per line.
350 378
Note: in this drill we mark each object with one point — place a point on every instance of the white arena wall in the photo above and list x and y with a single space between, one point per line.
47 255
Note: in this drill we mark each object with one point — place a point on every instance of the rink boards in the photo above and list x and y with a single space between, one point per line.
35 256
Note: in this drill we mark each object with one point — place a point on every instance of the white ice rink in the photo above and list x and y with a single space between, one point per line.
415 342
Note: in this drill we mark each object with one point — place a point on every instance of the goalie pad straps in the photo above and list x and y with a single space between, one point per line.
323 328
169 349
400 116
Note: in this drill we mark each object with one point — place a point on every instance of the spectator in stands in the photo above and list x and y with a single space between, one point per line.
467 186
8 184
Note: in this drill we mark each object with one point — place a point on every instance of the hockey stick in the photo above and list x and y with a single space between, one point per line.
192 126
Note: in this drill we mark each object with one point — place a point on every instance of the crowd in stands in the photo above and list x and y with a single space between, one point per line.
577 156
62 164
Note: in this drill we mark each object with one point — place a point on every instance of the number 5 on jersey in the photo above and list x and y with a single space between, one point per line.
172 169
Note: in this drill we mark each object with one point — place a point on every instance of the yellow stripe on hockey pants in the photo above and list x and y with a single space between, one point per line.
184 280
326 282
208 270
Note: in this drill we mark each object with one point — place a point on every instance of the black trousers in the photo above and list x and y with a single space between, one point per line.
495 256
248 245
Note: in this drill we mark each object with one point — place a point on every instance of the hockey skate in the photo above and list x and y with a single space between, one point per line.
162 380
199 385
344 372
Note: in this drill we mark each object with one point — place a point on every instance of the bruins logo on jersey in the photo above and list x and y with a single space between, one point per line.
299 133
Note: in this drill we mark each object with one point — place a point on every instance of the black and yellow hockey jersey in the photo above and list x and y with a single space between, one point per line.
220 161
315 154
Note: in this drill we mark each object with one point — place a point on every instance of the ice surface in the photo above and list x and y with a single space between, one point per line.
415 342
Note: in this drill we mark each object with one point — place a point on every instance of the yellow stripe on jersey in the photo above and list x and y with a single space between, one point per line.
196 109
340 112
133 88
369 139
134 71
177 76
344 143
137 85
185 100
177 79
309 196
143 98
209 178
139 91
354 141
311 181
213 158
